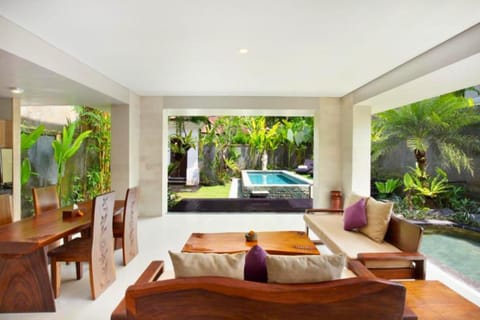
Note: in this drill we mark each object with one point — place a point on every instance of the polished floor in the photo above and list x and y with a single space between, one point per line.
156 237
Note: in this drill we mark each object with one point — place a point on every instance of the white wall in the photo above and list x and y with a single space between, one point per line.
153 139
355 147
327 152
6 108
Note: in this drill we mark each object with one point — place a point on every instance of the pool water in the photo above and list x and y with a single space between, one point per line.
272 178
455 249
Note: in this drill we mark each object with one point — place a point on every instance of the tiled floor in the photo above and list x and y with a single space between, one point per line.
156 237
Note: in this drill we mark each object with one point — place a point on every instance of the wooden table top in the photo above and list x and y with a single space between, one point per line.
27 235
432 300
274 242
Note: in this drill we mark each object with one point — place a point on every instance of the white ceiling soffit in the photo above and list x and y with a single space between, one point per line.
444 80
44 87
450 66
295 47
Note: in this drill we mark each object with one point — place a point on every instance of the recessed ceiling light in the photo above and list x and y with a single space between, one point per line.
243 51
16 90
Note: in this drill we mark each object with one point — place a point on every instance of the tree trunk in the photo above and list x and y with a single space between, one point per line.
421 157
264 160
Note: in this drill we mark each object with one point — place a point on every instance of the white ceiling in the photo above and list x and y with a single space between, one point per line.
190 47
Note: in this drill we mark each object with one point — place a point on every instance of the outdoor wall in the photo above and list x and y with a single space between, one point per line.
400 159
192 172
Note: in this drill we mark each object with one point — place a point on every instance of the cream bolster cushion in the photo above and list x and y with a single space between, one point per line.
304 269
208 264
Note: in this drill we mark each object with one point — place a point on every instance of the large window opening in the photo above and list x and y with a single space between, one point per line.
233 163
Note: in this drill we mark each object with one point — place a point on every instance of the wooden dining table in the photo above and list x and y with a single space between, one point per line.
24 279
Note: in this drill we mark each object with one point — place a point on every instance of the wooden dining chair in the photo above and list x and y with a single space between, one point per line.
126 229
97 250
45 199
5 209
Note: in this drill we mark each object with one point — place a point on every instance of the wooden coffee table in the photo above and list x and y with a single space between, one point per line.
274 242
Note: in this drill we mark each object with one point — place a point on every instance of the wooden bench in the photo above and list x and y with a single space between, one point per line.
364 297
396 258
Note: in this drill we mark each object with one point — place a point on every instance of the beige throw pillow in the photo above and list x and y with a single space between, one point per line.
304 269
378 217
208 264
351 199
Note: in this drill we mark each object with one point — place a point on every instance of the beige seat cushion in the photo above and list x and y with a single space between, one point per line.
329 228
378 217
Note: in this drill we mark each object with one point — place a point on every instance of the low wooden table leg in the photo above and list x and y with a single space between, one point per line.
24 283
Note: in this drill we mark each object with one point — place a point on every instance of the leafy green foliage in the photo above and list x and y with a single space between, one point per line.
430 186
26 142
297 133
388 187
64 148
432 127
263 138
96 162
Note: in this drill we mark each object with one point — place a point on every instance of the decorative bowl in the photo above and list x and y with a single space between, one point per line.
251 236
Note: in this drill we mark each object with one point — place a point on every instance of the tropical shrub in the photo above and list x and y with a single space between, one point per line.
96 161
64 147
423 189
27 140
387 188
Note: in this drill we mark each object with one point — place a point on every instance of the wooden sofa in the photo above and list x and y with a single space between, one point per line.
396 258
362 297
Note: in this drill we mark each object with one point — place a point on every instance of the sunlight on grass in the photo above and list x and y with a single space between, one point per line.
207 192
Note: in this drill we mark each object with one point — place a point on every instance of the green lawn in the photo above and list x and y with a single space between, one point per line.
211 192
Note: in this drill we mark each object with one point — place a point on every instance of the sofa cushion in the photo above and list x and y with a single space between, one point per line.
255 265
304 269
351 199
355 216
378 217
329 228
208 264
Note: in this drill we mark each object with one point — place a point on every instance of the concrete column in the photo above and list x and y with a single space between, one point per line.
327 152
356 147
125 147
153 156
120 160
17 187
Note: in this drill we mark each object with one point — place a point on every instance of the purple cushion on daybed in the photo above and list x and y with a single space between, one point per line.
255 265
355 216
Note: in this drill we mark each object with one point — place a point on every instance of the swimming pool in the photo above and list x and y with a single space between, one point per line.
275 184
454 249
273 178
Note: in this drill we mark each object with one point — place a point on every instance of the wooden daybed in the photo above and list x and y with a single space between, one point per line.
398 257
363 297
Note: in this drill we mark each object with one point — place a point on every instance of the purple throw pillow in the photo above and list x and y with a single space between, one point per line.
355 216
255 265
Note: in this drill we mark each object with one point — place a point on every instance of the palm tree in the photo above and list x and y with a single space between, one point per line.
435 126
